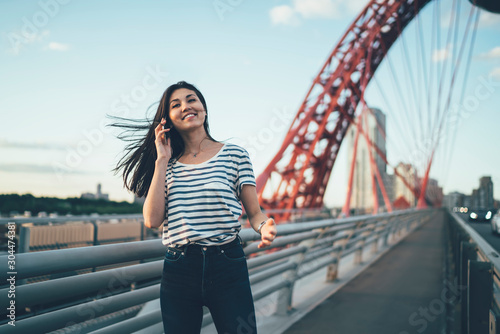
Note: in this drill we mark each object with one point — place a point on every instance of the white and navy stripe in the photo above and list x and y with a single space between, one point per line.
202 203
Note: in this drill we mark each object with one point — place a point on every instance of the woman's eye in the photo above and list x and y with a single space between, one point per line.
191 100
175 105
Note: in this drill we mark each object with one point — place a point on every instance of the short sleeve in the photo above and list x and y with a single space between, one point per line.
245 171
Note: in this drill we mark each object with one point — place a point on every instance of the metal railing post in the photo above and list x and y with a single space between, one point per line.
387 231
479 296
143 229
284 304
405 225
96 233
468 251
358 256
398 229
359 251
332 271
24 239
409 224
413 222
333 268
377 231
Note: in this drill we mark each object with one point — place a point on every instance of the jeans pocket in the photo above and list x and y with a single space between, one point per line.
173 254
234 253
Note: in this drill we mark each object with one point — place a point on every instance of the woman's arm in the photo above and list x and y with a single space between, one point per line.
154 205
250 201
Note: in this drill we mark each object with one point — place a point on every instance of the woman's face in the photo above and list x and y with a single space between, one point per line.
186 110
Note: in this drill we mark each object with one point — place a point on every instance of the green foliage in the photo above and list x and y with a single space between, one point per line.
72 205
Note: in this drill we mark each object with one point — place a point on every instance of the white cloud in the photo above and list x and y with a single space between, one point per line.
283 15
58 46
488 19
442 54
30 145
492 54
355 6
495 73
316 8
34 168
311 9
18 40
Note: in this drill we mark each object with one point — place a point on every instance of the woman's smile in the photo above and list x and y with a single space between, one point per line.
189 116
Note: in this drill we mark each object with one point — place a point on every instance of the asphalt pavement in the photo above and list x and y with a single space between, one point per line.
400 293
484 229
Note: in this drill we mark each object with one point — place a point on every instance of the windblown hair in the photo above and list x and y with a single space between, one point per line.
138 163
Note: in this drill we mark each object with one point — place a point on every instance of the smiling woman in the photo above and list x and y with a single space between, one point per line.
194 186
137 164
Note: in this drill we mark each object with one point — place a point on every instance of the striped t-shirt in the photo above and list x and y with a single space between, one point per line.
202 203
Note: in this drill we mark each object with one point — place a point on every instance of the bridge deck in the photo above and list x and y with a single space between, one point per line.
400 293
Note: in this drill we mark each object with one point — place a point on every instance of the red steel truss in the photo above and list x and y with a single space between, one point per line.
298 174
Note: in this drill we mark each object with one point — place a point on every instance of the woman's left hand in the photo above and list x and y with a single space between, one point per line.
268 233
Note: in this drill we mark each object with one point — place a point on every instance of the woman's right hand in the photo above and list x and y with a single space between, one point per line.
163 149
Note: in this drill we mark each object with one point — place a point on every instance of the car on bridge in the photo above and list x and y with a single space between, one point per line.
495 223
480 215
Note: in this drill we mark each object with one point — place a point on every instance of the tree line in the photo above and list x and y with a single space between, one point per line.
14 203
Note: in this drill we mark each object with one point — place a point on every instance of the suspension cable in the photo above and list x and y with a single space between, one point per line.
462 94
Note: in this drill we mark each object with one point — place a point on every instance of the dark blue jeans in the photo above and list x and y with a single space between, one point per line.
214 276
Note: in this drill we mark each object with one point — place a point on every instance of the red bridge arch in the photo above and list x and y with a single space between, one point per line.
298 174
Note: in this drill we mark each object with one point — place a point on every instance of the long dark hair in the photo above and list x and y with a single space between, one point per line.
138 163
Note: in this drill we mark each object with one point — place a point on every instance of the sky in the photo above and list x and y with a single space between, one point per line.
66 65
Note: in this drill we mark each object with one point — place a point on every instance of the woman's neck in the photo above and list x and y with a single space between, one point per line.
195 141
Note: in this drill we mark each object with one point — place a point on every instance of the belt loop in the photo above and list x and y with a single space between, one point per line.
184 249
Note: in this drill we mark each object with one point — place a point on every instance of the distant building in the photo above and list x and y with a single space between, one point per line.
485 192
401 189
97 195
434 193
362 197
474 199
454 199
467 201
483 196
389 181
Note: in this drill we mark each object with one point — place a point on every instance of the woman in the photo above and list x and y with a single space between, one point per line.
193 186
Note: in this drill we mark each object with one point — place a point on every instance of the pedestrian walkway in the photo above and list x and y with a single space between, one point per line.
400 293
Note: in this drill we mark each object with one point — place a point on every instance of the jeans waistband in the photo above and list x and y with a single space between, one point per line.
197 248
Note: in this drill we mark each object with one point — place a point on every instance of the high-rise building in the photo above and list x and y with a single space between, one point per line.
362 197
403 185
482 197
434 193
474 198
454 199
467 201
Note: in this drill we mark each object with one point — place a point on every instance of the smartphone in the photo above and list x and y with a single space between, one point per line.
167 125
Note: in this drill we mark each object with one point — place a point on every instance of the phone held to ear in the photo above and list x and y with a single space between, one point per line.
167 125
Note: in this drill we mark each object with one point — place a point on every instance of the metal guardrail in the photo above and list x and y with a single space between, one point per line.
108 301
45 233
38 233
476 267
